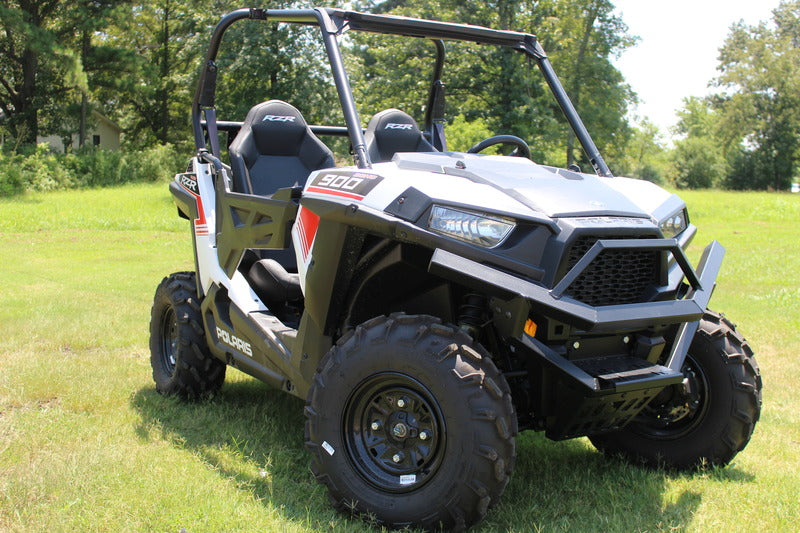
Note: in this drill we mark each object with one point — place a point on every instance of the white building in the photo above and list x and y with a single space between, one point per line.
102 133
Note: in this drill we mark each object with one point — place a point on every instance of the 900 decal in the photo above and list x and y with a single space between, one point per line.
355 185
339 181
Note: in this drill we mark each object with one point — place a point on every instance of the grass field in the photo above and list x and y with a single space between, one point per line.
87 445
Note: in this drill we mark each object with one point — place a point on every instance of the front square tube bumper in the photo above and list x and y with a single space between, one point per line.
610 318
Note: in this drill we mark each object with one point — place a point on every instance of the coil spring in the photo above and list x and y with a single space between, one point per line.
472 312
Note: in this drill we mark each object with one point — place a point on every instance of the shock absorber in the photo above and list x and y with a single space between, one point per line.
472 313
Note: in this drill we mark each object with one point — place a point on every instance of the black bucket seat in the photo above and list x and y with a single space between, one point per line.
275 148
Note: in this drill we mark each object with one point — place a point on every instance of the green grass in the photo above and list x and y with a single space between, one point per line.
87 445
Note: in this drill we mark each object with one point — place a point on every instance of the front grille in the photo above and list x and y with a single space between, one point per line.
620 276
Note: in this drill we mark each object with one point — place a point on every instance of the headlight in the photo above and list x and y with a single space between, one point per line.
673 224
480 229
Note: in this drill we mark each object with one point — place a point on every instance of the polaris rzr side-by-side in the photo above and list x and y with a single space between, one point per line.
428 304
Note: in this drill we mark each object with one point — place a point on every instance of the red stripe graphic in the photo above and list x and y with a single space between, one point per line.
335 193
301 232
307 225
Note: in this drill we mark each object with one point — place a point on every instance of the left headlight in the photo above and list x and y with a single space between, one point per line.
674 224
481 229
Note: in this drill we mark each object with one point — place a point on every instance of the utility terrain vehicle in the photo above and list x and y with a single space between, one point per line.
428 305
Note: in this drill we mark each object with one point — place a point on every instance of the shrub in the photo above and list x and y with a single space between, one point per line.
153 164
698 163
11 180
462 135
43 170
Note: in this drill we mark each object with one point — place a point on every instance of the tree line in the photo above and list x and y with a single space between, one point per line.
747 135
137 63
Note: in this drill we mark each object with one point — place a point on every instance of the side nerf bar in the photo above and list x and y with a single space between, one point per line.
589 318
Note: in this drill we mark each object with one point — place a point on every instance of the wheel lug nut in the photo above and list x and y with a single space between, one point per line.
397 457
423 435
375 426
401 403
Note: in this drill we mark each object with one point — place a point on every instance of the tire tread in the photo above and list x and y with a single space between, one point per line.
197 374
723 340
493 415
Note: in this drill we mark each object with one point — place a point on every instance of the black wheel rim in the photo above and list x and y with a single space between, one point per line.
394 432
169 340
679 409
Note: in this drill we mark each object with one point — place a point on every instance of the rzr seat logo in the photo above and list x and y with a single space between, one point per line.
189 182
277 118
396 126
234 342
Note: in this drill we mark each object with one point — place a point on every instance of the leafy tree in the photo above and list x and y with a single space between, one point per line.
760 108
497 86
139 61
699 160
103 65
589 34
260 61
645 154
461 135
698 163
168 40
35 64
163 40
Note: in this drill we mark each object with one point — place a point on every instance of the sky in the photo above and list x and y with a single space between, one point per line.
676 55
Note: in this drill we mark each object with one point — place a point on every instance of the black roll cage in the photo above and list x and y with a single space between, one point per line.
333 23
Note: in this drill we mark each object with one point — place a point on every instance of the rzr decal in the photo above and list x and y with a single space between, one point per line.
189 182
396 126
353 185
277 118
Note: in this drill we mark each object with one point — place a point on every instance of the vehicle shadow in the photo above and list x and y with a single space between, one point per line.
253 435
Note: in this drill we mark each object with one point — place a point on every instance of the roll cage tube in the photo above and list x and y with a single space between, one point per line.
434 111
333 23
205 95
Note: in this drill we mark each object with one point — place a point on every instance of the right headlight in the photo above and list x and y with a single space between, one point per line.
476 228
674 224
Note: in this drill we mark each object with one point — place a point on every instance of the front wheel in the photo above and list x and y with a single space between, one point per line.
410 423
707 419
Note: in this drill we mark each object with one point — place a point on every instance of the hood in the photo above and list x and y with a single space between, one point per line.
545 190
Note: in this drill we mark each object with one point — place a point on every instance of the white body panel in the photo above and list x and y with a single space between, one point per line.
510 186
209 270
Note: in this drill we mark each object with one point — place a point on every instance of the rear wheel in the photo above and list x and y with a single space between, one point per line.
179 355
707 419
411 424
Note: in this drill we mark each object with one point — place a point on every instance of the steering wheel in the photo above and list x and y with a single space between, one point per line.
522 149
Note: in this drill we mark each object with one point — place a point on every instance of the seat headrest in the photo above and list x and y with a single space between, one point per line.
391 131
394 124
277 127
